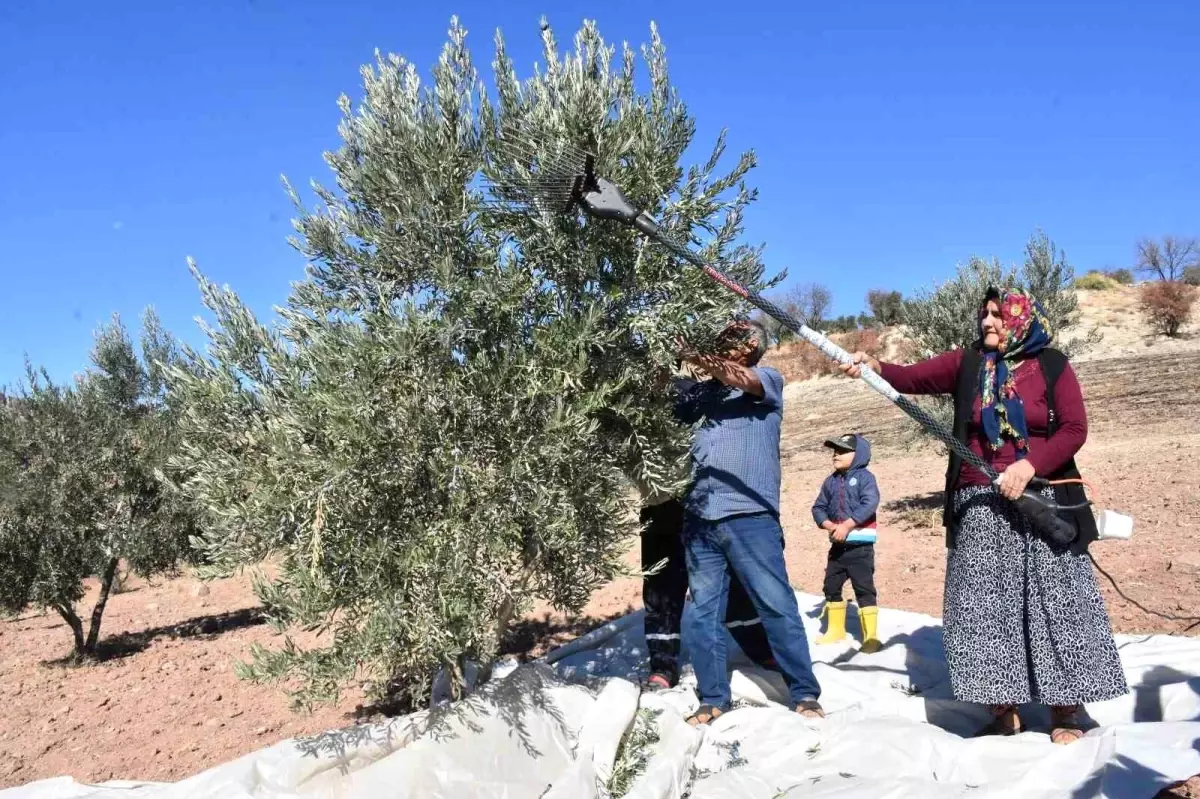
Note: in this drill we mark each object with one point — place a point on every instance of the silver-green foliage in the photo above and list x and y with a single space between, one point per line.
80 481
634 751
947 316
440 425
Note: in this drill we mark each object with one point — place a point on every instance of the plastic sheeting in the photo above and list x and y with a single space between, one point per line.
554 729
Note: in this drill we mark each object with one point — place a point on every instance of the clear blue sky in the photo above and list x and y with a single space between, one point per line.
895 139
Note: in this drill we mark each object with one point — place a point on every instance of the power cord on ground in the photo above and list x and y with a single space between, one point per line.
1195 620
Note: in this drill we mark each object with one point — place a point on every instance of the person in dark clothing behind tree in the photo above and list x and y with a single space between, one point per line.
663 592
845 509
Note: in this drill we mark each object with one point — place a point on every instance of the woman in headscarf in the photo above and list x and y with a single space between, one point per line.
1023 618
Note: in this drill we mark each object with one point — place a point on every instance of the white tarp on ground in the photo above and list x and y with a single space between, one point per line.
552 729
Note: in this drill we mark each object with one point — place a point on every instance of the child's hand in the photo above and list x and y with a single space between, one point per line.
840 531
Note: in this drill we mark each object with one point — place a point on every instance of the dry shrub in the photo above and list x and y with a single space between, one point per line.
1167 305
798 361
809 362
917 512
904 350
895 346
866 340
1095 281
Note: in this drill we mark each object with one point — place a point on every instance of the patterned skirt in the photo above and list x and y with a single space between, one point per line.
1023 621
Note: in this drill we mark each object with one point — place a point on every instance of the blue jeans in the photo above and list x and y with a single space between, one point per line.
752 548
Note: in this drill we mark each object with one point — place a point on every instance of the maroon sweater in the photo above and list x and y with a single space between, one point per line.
939 375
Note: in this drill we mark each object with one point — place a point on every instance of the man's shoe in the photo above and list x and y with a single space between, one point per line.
810 709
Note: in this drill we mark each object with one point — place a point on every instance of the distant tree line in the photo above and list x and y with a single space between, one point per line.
1167 296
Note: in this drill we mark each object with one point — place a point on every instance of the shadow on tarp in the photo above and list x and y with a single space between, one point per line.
526 690
1147 694
1122 776
924 676
927 677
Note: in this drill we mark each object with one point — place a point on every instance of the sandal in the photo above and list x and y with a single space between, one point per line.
704 715
810 709
1065 725
1005 721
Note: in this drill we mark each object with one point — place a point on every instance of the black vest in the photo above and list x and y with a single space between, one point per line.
967 388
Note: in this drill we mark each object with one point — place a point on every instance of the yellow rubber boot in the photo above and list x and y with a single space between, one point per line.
869 618
836 629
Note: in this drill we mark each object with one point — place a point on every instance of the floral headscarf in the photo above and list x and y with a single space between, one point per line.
1027 332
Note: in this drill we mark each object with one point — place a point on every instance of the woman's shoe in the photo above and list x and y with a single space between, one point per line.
1005 721
1066 727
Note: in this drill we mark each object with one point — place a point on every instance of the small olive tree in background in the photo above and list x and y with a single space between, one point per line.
81 488
946 317
886 306
439 426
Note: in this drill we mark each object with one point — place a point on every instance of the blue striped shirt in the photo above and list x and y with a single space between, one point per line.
735 450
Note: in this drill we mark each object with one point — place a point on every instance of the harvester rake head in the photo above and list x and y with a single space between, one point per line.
524 175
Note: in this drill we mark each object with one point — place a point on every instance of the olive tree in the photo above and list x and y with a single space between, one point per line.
81 487
440 425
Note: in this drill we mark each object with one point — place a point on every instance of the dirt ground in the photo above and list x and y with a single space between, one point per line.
163 704
166 703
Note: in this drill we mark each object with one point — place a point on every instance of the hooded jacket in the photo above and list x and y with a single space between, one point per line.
852 494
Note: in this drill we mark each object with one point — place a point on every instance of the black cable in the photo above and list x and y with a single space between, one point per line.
1195 620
